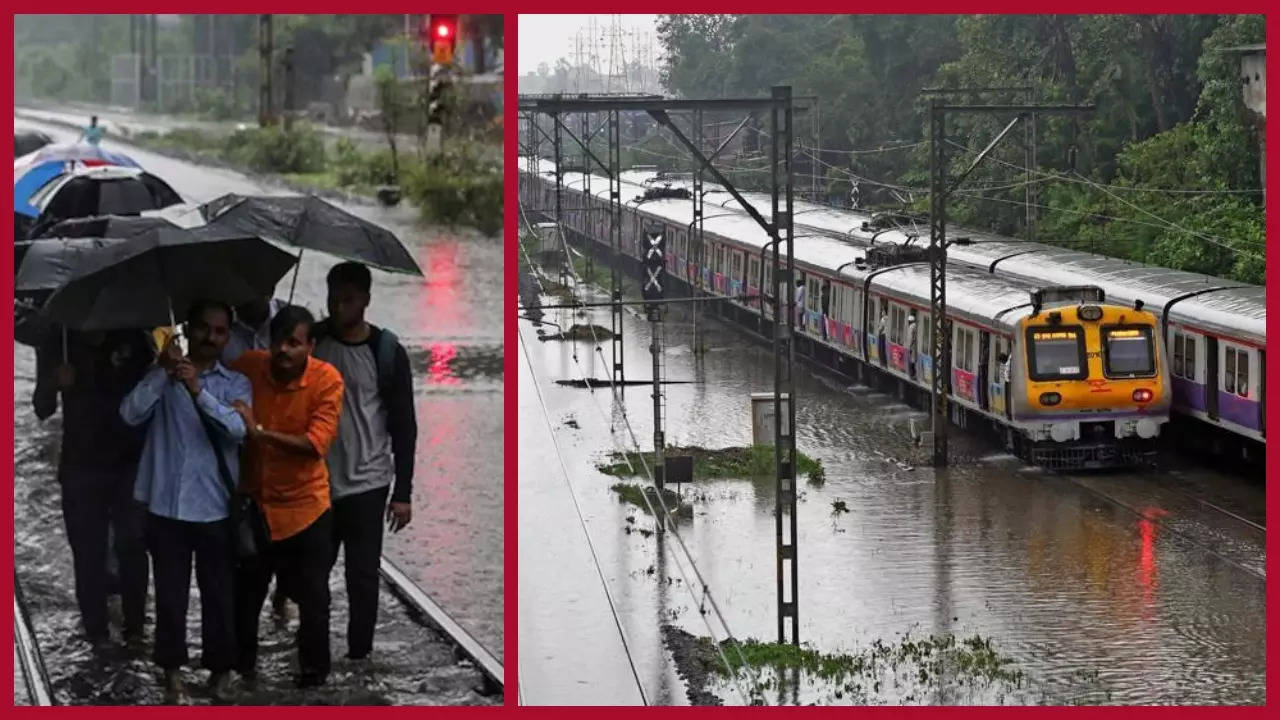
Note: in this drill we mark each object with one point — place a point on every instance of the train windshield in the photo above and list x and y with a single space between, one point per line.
1057 354
1128 352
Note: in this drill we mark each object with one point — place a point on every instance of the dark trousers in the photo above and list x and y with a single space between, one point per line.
94 501
173 543
301 565
357 526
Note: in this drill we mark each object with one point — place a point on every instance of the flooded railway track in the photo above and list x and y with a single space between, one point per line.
37 689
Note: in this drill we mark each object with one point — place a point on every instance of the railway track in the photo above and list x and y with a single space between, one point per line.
30 664
39 692
1260 574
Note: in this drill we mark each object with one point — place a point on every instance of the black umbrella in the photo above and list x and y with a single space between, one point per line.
311 223
104 226
42 266
104 191
28 141
150 280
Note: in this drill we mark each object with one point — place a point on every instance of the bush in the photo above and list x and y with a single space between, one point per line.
456 198
215 104
272 149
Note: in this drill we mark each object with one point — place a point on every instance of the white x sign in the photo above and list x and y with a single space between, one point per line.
653 279
653 247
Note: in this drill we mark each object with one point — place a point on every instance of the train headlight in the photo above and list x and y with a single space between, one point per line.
1090 312
1142 395
1050 398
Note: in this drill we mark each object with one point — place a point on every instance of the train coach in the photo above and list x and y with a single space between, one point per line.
1067 379
1214 329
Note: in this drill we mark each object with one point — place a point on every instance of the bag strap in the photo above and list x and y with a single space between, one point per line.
384 356
223 471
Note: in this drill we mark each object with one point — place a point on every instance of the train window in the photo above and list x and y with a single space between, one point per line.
964 350
812 296
1179 345
1056 353
1242 373
1127 352
1189 359
1229 377
897 320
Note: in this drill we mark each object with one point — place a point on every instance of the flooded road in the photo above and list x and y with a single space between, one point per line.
450 323
1116 588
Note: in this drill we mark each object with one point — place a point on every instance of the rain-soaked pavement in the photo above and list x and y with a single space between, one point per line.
1105 588
451 324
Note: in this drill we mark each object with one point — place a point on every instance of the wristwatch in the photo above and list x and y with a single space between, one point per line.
258 427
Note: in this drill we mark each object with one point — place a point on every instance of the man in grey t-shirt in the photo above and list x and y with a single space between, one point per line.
377 434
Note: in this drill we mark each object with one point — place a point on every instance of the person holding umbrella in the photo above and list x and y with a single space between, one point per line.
190 458
93 372
377 435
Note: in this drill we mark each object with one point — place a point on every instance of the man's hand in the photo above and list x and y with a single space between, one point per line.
246 413
65 376
399 514
170 355
185 372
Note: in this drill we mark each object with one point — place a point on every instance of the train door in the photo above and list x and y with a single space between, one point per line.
1211 380
984 369
1262 393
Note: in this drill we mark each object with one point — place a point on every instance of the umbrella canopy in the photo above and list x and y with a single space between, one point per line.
78 151
28 141
311 223
138 282
104 226
41 267
98 191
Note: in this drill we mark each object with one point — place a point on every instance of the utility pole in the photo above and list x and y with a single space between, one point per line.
940 187
264 70
288 88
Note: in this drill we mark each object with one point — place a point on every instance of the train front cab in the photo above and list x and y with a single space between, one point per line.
1093 387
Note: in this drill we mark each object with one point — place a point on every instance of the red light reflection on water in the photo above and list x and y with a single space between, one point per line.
1147 558
439 371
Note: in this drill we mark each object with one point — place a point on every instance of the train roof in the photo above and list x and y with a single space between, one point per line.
1222 306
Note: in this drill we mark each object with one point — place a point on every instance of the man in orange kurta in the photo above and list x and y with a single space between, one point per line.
294 418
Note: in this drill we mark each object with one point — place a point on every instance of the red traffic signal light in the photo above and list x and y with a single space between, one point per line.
442 35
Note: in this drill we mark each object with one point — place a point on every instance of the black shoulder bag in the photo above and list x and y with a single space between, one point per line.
249 532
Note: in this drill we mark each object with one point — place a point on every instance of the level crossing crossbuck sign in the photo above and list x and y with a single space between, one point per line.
654 265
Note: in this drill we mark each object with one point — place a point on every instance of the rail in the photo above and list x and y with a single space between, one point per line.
27 653
463 642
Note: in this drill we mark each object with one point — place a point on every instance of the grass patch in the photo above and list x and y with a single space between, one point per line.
929 669
582 332
731 462
635 495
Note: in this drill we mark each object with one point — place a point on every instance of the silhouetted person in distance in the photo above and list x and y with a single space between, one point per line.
92 134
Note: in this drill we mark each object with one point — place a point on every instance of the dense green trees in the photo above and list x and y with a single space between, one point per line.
1166 169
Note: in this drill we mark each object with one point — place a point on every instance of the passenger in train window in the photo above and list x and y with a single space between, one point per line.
800 303
911 344
1004 368
881 329
826 306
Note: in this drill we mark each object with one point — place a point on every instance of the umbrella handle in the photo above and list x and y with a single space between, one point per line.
296 267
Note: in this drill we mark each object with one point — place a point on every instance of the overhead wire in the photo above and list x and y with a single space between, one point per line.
707 597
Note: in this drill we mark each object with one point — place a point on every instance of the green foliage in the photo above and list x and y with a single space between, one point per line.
273 149
215 104
1169 116
461 187
730 462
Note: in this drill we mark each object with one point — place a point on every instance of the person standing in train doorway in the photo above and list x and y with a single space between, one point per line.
800 303
377 438
882 333
912 332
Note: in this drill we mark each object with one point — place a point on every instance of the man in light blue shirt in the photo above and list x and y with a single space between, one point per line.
181 482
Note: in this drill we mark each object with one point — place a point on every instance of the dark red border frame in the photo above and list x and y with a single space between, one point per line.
511 581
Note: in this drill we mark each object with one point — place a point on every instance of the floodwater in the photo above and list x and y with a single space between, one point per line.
451 324
1131 576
